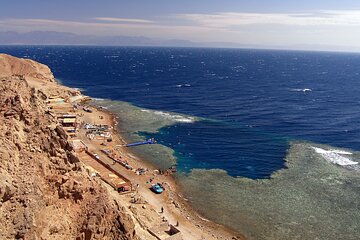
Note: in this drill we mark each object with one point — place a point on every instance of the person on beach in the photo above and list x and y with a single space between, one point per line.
162 210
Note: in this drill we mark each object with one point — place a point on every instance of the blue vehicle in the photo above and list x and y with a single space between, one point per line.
157 188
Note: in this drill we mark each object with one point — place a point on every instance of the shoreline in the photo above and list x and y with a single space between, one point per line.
222 232
57 179
97 159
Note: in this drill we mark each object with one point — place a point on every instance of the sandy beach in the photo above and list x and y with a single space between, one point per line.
151 209
152 214
176 210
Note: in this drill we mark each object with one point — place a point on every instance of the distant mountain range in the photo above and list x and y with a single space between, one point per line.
65 38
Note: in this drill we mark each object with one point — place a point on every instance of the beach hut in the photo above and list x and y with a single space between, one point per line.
78 145
68 121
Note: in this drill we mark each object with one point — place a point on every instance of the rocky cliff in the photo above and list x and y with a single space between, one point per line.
44 193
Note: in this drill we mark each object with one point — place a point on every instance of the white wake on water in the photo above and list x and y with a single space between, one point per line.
335 156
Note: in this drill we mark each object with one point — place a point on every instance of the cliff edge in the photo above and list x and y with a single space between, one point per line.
10 65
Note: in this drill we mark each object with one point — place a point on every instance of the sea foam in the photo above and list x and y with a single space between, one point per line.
301 90
183 85
334 156
98 99
171 117
175 117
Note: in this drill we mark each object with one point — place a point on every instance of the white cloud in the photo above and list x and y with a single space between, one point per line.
126 20
231 19
271 29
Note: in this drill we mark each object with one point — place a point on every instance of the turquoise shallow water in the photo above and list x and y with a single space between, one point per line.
229 119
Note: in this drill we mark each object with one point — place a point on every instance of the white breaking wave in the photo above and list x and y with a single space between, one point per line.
175 117
183 85
301 90
185 120
334 156
341 152
172 117
98 99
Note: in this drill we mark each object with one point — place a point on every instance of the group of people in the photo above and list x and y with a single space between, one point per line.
169 171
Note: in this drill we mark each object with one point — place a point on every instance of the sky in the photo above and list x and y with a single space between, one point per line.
253 22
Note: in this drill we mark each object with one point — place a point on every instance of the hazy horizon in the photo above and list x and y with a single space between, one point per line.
140 41
279 24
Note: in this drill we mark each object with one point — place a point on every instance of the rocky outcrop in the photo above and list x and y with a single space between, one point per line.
10 65
44 193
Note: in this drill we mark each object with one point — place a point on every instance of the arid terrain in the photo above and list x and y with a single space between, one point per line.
43 191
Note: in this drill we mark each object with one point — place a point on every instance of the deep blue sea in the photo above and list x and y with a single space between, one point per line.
251 103
255 100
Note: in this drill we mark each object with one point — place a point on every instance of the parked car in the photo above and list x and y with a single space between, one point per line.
157 188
